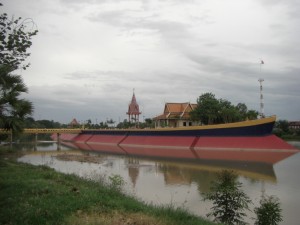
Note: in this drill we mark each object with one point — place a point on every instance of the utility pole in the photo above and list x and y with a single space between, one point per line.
261 98
260 80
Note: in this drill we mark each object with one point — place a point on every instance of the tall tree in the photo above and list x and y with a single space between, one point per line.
242 109
252 114
207 109
15 40
228 113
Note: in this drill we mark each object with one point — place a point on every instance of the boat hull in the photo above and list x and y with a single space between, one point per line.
267 149
244 141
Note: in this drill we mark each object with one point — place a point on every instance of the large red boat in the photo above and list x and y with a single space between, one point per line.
241 141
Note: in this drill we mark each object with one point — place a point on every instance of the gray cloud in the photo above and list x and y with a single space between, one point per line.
90 55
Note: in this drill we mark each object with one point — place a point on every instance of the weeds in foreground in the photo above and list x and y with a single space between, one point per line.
40 195
230 202
116 182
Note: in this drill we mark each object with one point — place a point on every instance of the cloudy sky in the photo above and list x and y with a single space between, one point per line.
89 55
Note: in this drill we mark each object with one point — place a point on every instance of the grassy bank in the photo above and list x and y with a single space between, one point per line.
39 195
291 137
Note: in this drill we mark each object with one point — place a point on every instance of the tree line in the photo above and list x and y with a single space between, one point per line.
283 130
211 110
30 122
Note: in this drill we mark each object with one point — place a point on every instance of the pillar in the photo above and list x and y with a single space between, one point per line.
58 141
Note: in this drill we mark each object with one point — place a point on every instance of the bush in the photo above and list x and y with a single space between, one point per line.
269 211
229 202
116 182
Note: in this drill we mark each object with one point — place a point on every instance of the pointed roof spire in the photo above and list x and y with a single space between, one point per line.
133 108
133 99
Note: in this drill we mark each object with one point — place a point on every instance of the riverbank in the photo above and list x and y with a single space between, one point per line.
40 195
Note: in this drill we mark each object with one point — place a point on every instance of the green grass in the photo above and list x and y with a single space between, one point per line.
40 195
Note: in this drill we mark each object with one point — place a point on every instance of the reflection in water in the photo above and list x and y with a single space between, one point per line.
205 172
40 146
133 169
170 181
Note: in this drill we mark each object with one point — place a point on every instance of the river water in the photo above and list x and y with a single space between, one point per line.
174 182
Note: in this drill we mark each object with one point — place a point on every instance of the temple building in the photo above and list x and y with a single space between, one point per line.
294 125
176 115
133 111
74 123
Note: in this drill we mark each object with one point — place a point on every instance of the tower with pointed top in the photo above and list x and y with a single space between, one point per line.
133 111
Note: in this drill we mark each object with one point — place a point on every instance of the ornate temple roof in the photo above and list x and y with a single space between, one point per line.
133 108
176 111
74 122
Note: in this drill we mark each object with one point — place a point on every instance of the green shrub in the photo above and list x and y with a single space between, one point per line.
269 211
116 182
229 201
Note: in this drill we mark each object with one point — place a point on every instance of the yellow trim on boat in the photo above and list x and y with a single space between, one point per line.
246 123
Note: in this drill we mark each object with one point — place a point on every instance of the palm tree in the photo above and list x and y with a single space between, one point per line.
13 109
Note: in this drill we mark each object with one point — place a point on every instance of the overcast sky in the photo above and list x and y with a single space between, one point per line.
89 55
